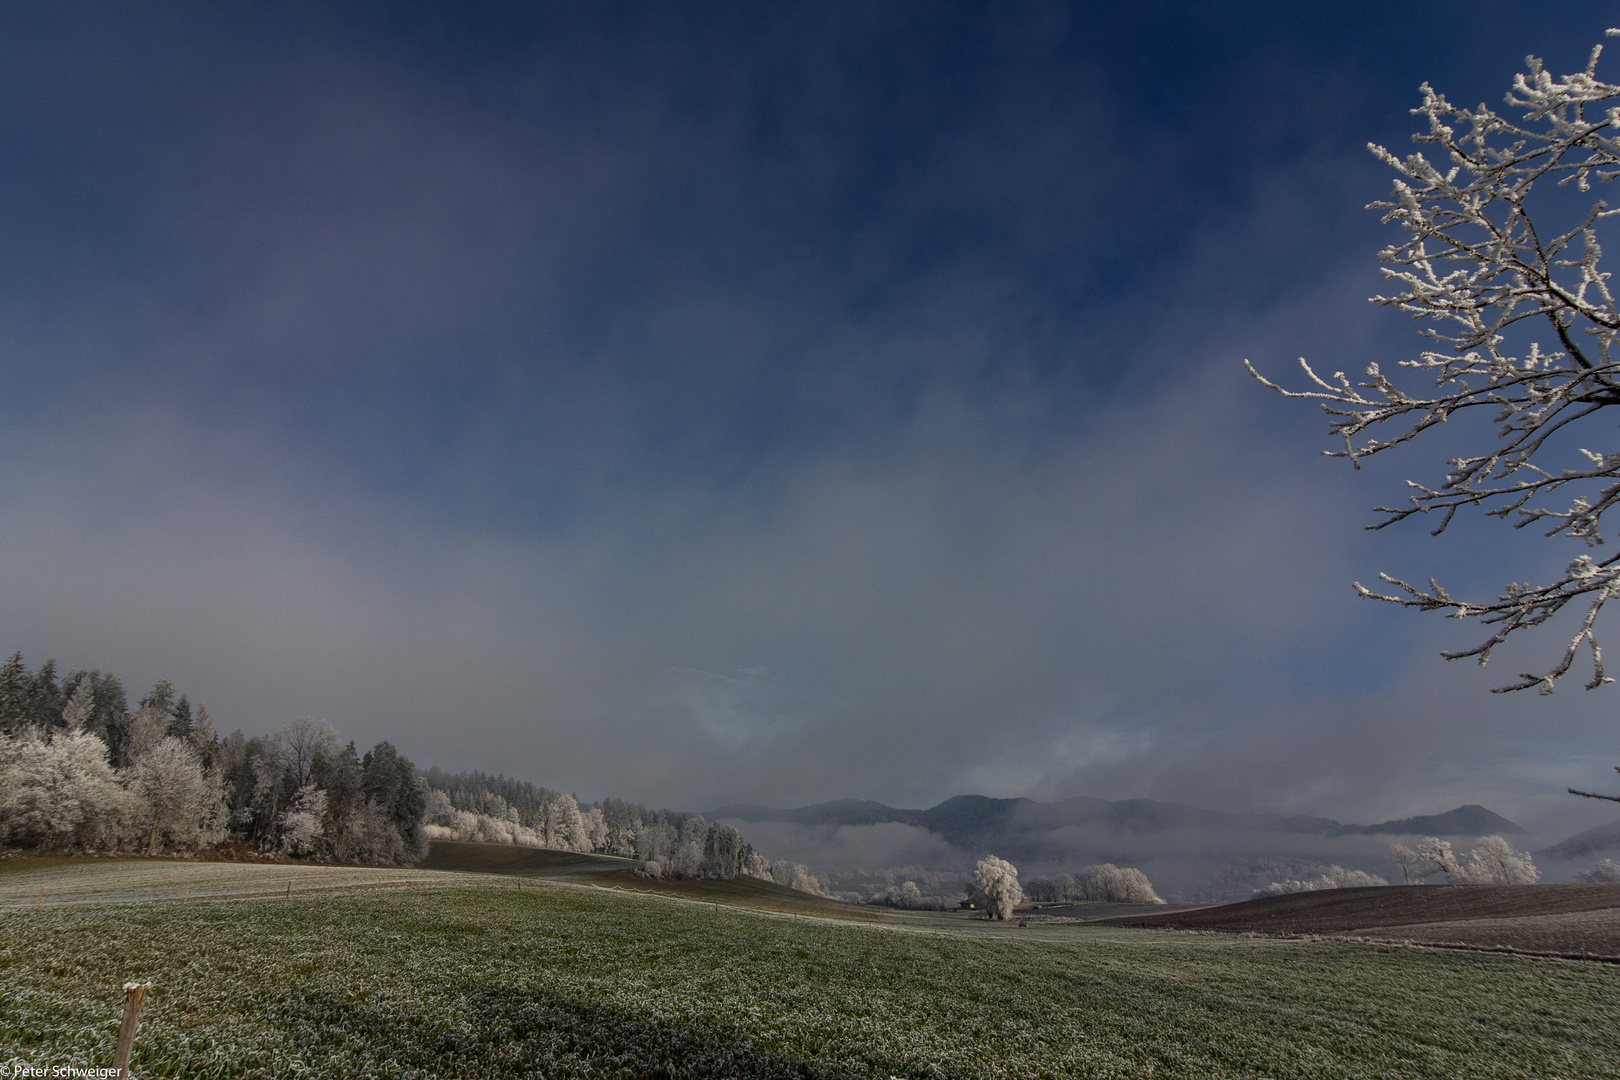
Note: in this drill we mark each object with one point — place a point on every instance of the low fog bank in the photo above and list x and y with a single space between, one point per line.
1221 857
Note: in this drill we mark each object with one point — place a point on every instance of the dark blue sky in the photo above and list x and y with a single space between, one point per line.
705 403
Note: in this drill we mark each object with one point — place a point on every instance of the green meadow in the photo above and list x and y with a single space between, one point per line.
482 978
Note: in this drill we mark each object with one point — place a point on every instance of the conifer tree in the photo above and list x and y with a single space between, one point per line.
160 697
14 694
45 698
180 719
81 706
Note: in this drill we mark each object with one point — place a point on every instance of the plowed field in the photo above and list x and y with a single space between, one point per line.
1570 920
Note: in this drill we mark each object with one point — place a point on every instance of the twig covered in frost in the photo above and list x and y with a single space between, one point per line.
1487 279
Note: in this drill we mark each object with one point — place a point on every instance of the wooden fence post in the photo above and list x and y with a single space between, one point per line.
134 994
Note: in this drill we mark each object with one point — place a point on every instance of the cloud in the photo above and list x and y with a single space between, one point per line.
702 432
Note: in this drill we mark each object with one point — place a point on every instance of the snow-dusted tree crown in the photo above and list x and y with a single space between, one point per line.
1523 324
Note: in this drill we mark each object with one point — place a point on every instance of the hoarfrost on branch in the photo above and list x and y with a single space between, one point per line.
1487 278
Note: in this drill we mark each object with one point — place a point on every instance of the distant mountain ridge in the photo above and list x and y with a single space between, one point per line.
968 819
1600 840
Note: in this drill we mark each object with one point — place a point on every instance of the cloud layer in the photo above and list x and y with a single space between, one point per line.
830 404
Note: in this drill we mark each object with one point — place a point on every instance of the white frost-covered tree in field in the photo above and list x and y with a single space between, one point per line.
796 876
995 886
1502 260
1434 856
1117 884
1407 860
905 895
1104 883
1492 862
1334 877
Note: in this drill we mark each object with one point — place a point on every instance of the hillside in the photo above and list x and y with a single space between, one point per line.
1592 844
1570 920
608 871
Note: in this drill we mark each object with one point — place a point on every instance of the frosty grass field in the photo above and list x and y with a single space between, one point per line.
474 977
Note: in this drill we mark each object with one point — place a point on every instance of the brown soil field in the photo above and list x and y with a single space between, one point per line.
1562 920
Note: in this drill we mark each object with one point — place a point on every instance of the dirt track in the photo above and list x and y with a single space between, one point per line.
1560 919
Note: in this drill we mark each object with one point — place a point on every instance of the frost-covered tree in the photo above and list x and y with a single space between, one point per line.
181 807
370 836
596 830
905 895
1104 883
109 712
756 865
1504 267
1044 890
1334 877
683 858
1407 860
1494 862
624 820
1117 884
305 822
301 744
995 886
567 831
1434 856
59 793
796 876
81 706
654 839
147 727
439 808
1606 871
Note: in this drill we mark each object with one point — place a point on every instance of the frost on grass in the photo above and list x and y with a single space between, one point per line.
585 983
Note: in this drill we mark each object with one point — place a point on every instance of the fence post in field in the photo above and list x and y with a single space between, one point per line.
134 994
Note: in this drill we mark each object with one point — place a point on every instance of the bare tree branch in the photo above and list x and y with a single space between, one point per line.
1477 269
1597 795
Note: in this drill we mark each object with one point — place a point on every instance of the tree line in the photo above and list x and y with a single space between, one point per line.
474 806
80 771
